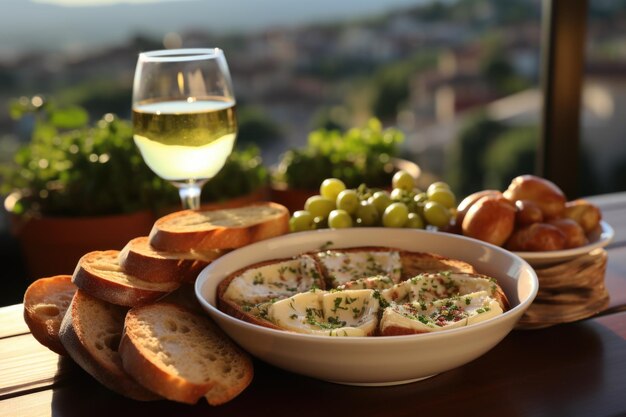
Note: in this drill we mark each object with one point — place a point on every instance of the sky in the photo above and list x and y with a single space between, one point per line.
53 25
90 3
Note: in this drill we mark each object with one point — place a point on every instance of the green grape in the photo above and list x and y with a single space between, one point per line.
398 194
415 221
321 222
402 179
395 215
435 185
301 220
319 206
331 187
443 196
436 214
348 200
420 198
366 214
380 200
339 219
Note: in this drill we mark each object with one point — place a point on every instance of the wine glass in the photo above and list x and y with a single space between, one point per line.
184 116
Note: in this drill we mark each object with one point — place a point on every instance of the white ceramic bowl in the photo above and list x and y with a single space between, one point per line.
374 360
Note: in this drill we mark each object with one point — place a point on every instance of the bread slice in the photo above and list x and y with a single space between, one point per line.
90 332
340 266
98 273
248 293
232 228
45 302
415 263
440 314
182 356
140 259
428 287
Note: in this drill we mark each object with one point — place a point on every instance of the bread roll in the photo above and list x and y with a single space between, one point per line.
469 201
536 237
574 233
528 213
587 215
490 219
547 195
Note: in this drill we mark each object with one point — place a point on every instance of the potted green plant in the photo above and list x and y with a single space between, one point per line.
77 187
365 155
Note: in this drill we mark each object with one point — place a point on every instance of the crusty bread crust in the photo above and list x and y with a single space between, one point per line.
98 273
399 331
188 230
182 356
45 302
231 308
87 318
415 263
140 259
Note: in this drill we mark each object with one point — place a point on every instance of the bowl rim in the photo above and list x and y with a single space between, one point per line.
204 276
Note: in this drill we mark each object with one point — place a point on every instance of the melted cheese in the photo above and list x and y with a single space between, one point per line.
421 317
341 313
430 287
274 281
344 266
372 283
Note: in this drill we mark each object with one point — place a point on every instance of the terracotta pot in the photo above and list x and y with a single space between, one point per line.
294 199
53 245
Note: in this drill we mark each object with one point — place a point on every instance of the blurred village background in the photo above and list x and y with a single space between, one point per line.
460 78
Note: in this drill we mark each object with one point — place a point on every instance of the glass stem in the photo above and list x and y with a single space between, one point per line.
189 192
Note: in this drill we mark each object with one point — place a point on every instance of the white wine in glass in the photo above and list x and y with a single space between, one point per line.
184 116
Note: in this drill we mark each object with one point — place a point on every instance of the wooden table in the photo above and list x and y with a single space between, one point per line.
575 369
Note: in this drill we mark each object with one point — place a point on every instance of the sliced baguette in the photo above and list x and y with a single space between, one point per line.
182 356
140 259
247 293
98 273
340 266
415 263
232 228
90 332
45 302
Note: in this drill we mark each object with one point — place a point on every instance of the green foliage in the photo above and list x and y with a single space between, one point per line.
466 168
359 155
391 83
72 168
254 127
512 153
242 174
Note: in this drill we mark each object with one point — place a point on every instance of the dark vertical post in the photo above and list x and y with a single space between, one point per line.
563 47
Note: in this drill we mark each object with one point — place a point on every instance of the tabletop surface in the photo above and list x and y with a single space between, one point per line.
573 369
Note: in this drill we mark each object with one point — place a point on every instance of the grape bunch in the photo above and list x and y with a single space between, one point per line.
405 206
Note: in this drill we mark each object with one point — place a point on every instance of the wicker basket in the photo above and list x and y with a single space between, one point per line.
568 292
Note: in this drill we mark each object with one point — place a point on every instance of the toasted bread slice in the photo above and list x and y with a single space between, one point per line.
182 356
140 259
436 286
45 302
232 228
340 266
90 332
415 263
98 273
441 314
247 293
